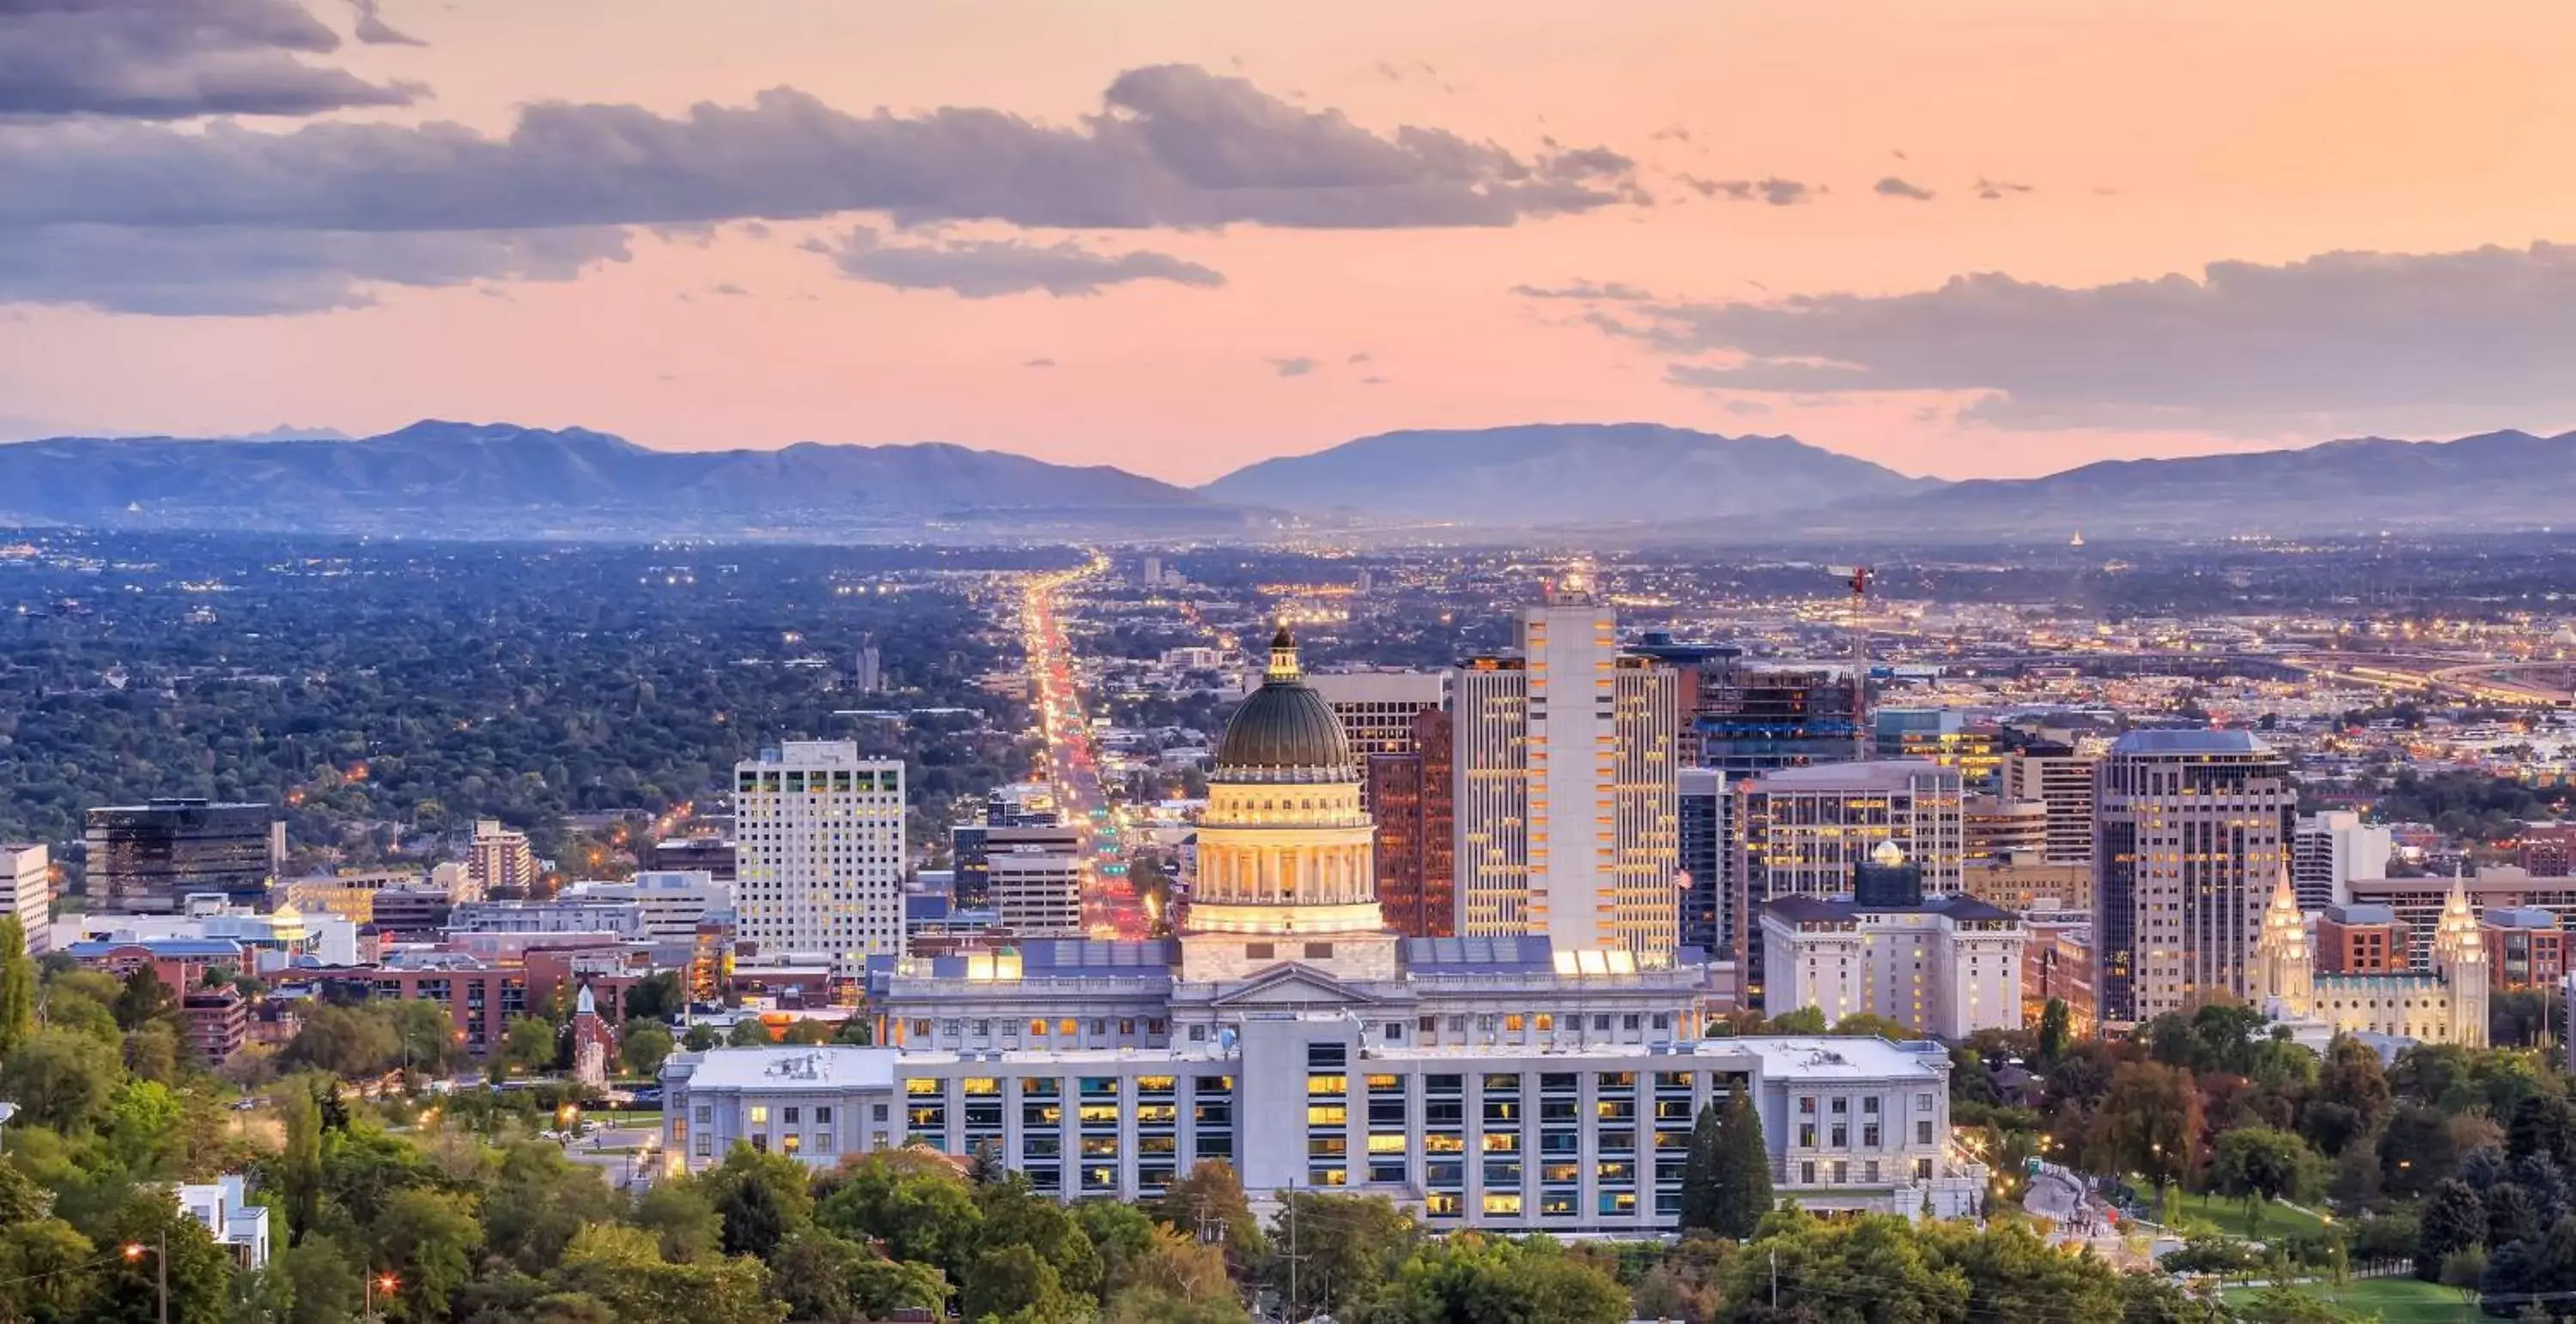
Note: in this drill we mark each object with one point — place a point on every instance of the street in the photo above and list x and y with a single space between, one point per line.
1111 908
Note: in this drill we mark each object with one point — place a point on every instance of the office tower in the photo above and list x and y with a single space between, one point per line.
146 859
499 863
27 872
1411 797
970 879
1997 829
1943 736
1153 571
2056 776
1036 877
1711 891
1566 787
2192 831
868 676
819 872
2330 849
1377 709
1803 831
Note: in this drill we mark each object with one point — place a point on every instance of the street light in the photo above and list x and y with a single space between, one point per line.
160 1249
381 1282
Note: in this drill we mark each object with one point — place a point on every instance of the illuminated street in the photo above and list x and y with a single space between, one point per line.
1110 909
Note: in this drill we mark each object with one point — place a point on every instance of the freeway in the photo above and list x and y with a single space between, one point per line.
1110 907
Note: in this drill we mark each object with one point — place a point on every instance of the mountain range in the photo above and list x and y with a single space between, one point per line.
1640 480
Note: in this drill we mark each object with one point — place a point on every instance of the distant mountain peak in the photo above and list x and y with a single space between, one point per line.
1541 474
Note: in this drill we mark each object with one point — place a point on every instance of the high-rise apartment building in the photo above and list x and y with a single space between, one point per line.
1565 786
146 859
1411 798
27 871
2330 849
1712 907
1036 877
1944 736
1806 831
2056 776
820 854
500 863
2193 832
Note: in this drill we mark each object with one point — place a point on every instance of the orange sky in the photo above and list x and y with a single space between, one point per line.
2153 138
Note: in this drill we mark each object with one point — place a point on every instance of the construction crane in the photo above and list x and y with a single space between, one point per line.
1856 577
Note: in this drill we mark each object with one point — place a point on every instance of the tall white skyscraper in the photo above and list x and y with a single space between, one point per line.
1568 815
26 871
2191 839
819 841
2329 850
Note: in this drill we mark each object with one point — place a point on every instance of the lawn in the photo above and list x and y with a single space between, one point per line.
2403 1300
2271 1223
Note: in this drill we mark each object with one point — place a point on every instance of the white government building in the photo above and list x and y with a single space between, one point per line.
1946 966
1483 1082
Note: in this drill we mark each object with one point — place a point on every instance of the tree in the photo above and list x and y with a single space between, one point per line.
2056 1031
620 1267
1870 1025
60 1079
425 1037
427 1239
1121 1233
1804 1020
683 1221
1016 1284
1471 1278
51 1270
749 1032
341 1041
1179 1266
145 1000
299 1164
199 1272
1742 1171
2257 1164
642 1045
659 996
807 1030
1700 1171
699 1038
2543 1124
833 1280
538 1200
760 1198
2512 1215
151 1051
1210 1195
17 986
527 1045
1146 1305
323 1282
2454 1220
1014 1215
2148 1123
913 1202
1347 1246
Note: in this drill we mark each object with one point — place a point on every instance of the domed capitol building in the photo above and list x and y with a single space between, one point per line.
1480 1081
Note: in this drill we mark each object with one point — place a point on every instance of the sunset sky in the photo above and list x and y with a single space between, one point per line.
1970 238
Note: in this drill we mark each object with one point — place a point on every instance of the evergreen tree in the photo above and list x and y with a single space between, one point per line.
1700 1171
2056 1031
1743 1169
2454 1220
17 986
145 1000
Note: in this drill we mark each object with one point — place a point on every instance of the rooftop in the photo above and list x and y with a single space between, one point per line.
2138 743
836 1065
1816 1057
1877 775
1798 909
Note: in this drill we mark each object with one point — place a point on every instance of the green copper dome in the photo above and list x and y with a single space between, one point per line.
1285 732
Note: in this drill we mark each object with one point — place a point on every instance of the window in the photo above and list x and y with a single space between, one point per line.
706 1114
791 1116
1806 1135
1869 1135
1923 1133
1806 1174
759 1114
1869 1105
706 1145
1806 1105
879 1112
1838 1107
1260 951
1923 1102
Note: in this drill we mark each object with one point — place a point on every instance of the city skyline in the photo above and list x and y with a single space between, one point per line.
1995 241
